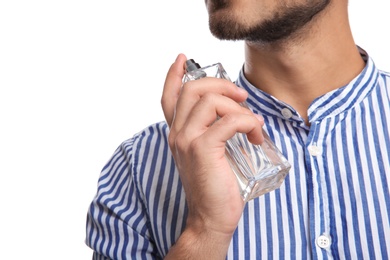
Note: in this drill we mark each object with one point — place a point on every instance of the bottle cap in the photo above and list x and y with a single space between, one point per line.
191 65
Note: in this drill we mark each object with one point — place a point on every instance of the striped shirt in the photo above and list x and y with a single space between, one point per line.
333 204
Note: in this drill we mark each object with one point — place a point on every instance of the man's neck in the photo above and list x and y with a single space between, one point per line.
303 69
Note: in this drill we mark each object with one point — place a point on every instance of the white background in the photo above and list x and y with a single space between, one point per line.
79 77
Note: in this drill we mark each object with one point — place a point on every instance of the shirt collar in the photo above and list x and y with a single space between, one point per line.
330 104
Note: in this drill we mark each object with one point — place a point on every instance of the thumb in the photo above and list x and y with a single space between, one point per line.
172 86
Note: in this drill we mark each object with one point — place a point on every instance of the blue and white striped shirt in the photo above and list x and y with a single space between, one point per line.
334 203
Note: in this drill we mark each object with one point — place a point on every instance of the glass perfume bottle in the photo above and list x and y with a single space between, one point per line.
259 168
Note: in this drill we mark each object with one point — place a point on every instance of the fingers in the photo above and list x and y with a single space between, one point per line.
172 86
230 124
233 118
191 109
193 91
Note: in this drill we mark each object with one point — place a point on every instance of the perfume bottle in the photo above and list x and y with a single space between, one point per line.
258 168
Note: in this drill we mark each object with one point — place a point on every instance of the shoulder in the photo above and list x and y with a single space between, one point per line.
132 157
149 156
148 144
153 134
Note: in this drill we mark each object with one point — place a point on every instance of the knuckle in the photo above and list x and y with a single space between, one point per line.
186 145
171 140
206 100
209 97
181 142
188 88
230 119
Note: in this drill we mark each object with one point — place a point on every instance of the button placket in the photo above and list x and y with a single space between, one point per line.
316 147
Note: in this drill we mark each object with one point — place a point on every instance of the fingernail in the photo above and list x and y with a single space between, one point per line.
241 90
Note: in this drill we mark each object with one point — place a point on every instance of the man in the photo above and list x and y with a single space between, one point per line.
169 191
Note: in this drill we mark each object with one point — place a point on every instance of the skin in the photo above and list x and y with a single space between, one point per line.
311 60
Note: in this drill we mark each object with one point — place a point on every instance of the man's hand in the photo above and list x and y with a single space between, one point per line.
197 143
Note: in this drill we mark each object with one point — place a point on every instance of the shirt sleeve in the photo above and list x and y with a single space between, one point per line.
117 222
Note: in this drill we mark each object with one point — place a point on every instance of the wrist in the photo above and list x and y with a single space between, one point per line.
197 243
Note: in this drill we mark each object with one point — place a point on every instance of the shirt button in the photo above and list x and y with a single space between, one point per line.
323 241
286 113
314 150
